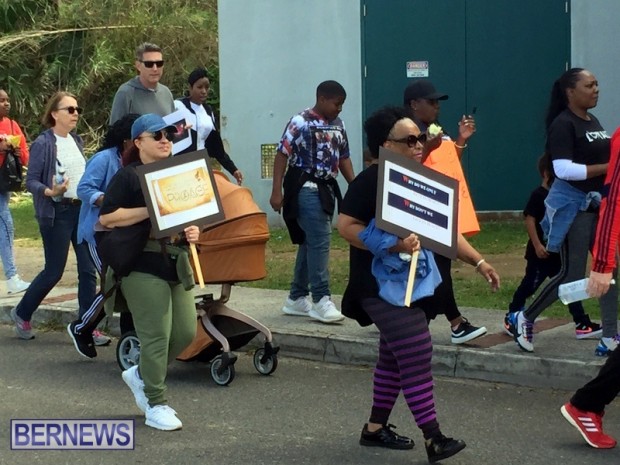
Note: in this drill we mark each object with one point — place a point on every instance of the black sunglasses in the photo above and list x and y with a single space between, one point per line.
157 136
150 64
411 140
72 110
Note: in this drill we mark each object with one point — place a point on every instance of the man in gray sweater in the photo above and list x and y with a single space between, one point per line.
143 93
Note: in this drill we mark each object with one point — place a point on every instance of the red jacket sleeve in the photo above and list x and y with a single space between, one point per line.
608 227
23 146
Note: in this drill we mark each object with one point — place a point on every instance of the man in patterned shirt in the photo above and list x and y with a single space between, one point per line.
314 147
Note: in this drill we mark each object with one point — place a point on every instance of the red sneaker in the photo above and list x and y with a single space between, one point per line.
590 425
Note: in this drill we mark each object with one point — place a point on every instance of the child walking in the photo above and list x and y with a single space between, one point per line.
542 264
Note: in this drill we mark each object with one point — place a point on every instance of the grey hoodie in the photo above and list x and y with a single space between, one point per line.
133 97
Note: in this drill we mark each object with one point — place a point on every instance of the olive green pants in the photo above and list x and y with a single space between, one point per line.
164 315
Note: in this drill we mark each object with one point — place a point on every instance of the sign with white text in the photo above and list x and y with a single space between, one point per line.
412 198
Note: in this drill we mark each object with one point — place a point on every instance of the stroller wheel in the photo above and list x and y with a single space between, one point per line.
128 350
222 376
267 366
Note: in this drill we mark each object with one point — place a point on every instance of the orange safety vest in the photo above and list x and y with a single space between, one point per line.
445 160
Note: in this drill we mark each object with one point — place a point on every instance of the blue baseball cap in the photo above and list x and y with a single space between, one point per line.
149 123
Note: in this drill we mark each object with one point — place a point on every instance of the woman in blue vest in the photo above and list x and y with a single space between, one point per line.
202 121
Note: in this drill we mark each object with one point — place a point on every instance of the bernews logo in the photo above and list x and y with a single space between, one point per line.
72 434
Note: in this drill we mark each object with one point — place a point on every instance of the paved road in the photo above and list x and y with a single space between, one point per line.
306 413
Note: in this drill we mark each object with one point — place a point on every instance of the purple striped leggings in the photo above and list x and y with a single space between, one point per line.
405 353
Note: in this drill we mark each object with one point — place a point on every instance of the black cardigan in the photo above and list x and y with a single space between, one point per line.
213 143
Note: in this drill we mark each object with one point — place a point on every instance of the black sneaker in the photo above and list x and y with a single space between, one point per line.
441 447
586 329
465 332
385 437
83 343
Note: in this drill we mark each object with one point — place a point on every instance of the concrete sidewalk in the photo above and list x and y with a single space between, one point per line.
559 361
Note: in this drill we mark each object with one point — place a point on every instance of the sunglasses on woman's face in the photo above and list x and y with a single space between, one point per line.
157 136
72 110
411 140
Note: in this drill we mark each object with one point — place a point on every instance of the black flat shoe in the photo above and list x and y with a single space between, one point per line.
441 447
385 437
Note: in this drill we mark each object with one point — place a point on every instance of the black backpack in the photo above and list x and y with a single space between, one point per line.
120 248
11 173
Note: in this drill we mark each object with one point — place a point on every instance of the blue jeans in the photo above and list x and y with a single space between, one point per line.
311 265
56 241
6 236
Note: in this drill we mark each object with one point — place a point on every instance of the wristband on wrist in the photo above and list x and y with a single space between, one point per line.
460 146
480 262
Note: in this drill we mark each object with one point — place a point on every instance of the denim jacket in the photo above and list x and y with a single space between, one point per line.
562 205
41 170
100 169
391 272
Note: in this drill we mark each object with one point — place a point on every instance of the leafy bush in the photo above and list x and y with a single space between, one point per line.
87 46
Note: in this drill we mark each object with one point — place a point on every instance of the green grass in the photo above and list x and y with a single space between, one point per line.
497 239
26 226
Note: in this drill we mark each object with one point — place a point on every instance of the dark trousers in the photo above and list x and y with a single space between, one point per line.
594 396
96 313
573 258
536 271
56 241
442 301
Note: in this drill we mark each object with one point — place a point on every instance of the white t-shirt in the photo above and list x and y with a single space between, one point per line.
71 159
201 122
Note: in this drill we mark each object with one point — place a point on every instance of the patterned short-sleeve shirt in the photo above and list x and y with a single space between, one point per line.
314 144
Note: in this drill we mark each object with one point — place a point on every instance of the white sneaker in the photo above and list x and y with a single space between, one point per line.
135 383
162 417
325 311
299 307
15 284
101 339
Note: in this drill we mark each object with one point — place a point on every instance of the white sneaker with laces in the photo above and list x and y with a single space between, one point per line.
299 307
15 285
135 383
325 311
162 417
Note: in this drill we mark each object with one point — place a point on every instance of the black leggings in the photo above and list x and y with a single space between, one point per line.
574 258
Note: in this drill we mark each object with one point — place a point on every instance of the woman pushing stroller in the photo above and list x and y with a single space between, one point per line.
157 289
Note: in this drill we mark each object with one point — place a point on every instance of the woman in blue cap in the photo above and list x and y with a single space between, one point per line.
158 288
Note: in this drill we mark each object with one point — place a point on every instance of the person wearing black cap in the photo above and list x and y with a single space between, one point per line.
202 121
422 100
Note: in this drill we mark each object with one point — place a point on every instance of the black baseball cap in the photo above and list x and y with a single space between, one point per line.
422 88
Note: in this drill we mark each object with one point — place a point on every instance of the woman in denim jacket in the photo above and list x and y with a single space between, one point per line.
579 149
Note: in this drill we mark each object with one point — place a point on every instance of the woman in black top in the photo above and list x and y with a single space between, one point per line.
158 290
405 347
579 149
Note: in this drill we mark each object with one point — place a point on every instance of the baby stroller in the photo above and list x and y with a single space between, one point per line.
230 251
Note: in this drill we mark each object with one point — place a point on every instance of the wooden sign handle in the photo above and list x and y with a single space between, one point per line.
201 281
411 279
